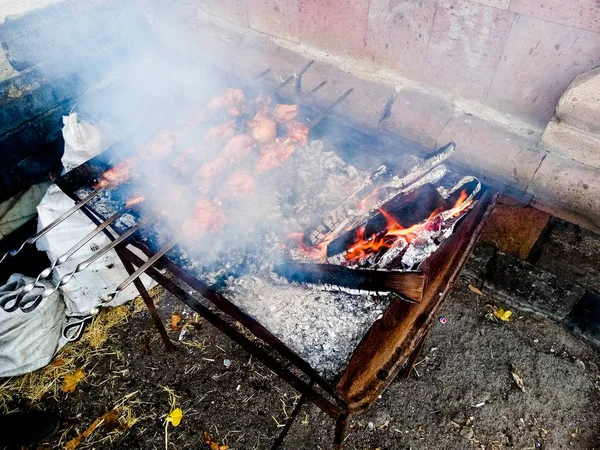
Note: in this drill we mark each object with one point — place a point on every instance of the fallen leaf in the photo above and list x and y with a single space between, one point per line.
175 417
57 363
517 377
503 315
212 444
475 289
175 321
71 379
108 419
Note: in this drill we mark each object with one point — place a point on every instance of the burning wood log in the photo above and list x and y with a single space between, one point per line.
353 211
408 285
405 210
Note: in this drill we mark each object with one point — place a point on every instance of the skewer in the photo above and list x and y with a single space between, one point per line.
33 239
85 264
141 270
28 305
327 110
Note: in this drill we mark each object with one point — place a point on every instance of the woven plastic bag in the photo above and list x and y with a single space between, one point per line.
29 340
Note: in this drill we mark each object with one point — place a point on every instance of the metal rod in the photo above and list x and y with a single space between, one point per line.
289 79
33 239
291 420
85 264
292 379
159 254
327 110
64 257
129 267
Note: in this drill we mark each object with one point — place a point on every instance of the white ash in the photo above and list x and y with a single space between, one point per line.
323 327
426 243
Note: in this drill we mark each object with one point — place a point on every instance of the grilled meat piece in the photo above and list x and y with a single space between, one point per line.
159 146
211 169
240 184
220 134
284 113
238 147
297 132
275 154
262 129
116 175
262 104
207 217
232 100
185 156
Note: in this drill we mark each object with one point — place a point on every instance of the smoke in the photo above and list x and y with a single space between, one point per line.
152 87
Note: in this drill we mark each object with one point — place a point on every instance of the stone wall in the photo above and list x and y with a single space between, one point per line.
517 56
487 74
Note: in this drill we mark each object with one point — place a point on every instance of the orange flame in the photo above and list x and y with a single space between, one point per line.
317 252
461 204
365 201
364 247
134 201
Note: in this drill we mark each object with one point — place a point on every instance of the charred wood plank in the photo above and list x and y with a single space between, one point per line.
408 285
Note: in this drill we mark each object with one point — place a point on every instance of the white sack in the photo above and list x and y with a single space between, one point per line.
84 292
28 341
82 141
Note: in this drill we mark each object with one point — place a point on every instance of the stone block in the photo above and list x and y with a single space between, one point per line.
398 33
492 151
571 142
339 26
466 44
529 288
570 187
418 116
584 319
500 4
231 10
367 103
514 229
582 14
275 17
539 62
582 265
580 104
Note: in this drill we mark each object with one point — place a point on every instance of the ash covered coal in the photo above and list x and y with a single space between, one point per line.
322 327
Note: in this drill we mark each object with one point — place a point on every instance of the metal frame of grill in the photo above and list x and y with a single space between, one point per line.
391 346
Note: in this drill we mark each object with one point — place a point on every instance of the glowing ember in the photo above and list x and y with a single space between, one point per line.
116 175
317 252
134 201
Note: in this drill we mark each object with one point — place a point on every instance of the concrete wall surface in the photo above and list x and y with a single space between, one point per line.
517 56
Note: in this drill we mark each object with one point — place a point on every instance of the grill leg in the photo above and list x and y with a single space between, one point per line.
341 425
149 303
289 422
413 358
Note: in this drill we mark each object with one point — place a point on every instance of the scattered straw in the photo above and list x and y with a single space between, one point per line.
34 386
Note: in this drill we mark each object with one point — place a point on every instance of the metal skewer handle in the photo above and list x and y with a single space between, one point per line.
140 270
33 239
27 304
85 264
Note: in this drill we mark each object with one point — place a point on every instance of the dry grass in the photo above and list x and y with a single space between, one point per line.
35 386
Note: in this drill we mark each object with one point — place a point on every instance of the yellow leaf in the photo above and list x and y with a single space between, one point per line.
70 380
476 290
503 315
175 416
175 321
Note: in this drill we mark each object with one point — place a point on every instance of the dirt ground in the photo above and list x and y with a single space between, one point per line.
460 396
